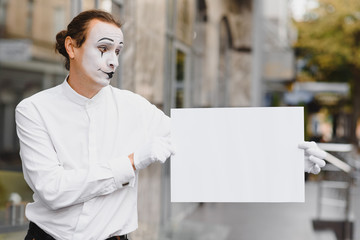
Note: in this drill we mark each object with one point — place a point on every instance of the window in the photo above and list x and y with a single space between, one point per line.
180 75
59 19
223 73
29 17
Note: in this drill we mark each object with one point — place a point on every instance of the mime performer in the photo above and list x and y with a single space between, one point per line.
83 142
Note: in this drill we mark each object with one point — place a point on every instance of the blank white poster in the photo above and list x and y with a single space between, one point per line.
237 155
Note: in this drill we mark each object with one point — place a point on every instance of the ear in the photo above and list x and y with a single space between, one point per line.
69 46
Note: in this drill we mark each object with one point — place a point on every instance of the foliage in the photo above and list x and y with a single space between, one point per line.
329 42
13 182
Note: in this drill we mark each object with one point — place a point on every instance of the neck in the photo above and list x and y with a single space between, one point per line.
82 85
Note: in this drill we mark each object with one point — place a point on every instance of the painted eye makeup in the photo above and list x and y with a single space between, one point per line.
118 50
108 45
103 48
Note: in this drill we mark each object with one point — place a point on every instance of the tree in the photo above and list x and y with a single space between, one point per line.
329 46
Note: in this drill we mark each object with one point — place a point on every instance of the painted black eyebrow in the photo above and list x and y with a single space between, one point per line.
105 38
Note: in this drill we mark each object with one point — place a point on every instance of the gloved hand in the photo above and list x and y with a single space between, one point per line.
313 157
157 149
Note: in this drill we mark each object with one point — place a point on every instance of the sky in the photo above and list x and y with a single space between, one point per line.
299 7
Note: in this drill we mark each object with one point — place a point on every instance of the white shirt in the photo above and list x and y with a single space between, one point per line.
74 152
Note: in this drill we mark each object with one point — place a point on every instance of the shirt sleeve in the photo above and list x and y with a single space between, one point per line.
56 186
159 124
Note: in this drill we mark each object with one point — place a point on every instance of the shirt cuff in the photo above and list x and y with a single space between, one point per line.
123 171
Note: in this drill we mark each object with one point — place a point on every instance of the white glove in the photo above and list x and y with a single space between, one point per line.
158 149
313 157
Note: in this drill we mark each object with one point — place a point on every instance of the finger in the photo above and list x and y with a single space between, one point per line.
306 145
317 152
165 139
163 152
307 165
170 150
165 155
167 135
315 169
166 143
321 163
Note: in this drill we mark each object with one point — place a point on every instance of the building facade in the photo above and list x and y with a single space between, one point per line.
178 53
183 54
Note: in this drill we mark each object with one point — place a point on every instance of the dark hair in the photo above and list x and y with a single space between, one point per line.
77 29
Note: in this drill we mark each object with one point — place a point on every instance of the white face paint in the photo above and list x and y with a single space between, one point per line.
101 50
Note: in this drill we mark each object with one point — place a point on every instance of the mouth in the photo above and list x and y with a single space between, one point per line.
110 74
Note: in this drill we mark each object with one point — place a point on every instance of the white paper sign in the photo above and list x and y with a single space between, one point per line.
237 155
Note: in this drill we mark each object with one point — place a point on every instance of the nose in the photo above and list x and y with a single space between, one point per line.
113 61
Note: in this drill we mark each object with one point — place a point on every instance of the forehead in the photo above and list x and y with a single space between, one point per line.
99 29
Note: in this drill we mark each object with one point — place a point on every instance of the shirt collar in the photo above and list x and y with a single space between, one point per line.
70 93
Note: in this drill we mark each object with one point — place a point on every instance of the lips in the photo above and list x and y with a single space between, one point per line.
110 74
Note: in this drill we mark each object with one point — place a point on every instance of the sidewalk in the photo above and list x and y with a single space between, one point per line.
255 221
252 221
13 236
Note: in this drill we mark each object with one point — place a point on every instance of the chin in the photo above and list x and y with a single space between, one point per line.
103 82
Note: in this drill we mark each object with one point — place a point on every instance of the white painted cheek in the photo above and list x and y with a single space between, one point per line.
91 61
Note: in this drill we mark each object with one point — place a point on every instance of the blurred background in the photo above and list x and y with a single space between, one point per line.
207 53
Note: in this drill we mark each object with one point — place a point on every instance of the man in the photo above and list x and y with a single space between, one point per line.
83 142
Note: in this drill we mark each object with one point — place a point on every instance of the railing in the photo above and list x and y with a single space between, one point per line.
15 219
14 194
334 193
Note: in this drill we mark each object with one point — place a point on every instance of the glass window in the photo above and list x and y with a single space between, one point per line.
180 66
180 78
19 78
105 5
170 19
117 10
223 73
59 19
29 17
87 5
201 11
